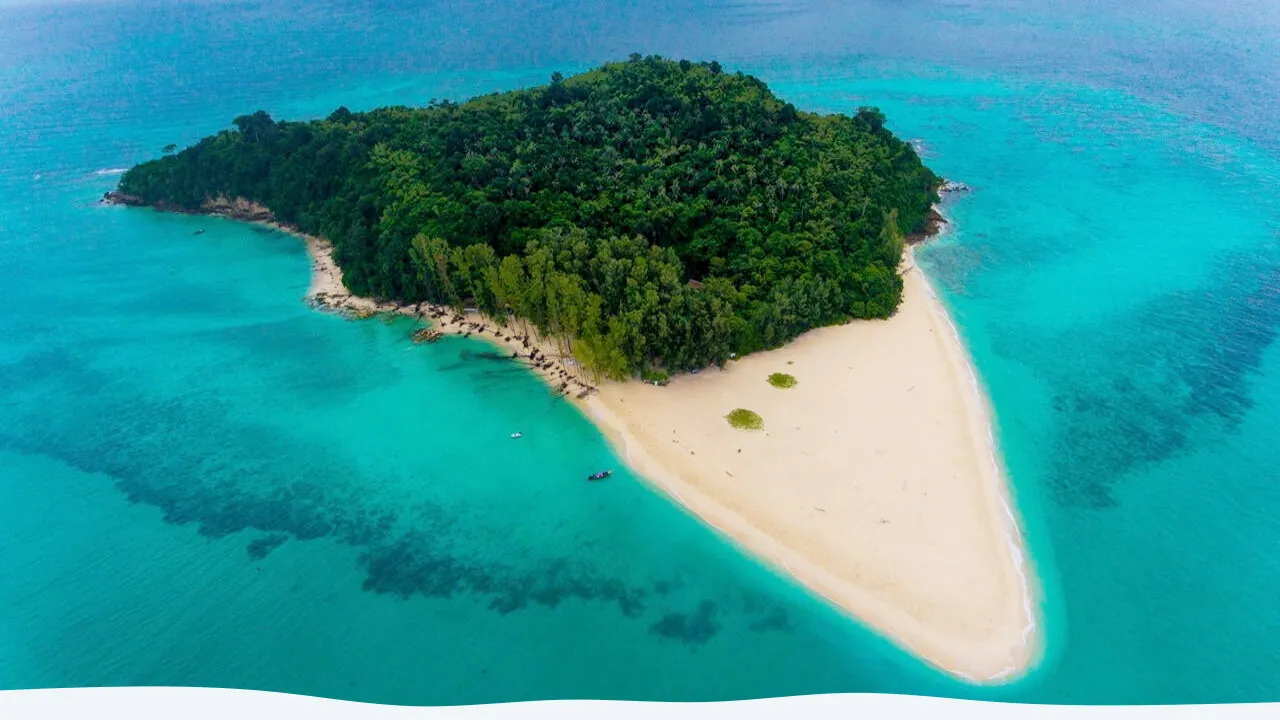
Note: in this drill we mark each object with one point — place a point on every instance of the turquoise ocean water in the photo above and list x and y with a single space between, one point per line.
203 482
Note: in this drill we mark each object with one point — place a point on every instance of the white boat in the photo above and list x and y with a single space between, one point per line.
517 435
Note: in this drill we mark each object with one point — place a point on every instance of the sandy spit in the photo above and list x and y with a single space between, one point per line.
874 482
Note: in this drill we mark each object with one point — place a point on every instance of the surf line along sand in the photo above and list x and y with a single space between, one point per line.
875 481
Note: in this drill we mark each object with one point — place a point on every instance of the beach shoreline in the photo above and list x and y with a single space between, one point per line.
1012 643
1000 643
946 577
540 355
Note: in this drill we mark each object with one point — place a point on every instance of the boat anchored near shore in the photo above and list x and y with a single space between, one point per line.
600 475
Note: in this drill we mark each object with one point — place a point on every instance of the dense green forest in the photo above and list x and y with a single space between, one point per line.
651 214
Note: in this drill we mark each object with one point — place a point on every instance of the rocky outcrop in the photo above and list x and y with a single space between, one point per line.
233 208
238 209
115 197
933 223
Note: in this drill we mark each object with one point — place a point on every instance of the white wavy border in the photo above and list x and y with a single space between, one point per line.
167 703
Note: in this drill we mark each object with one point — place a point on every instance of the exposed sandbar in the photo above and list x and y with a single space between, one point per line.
874 482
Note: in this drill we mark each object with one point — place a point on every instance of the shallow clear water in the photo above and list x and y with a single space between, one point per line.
203 482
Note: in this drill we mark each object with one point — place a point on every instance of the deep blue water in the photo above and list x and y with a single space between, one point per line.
202 482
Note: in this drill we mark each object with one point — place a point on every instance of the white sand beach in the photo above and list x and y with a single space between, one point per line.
874 481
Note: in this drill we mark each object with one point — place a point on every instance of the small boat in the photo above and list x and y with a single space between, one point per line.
515 435
600 475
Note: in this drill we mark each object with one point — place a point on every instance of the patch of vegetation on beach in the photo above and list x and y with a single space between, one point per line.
655 376
744 419
782 380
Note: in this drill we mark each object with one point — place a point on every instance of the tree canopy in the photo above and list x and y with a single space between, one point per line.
650 213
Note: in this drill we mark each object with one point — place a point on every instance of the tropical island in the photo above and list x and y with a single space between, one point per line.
657 215
653 219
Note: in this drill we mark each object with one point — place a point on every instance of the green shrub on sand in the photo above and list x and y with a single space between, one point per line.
782 380
744 419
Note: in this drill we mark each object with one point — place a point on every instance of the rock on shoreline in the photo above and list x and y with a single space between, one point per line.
235 209
115 197
934 221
